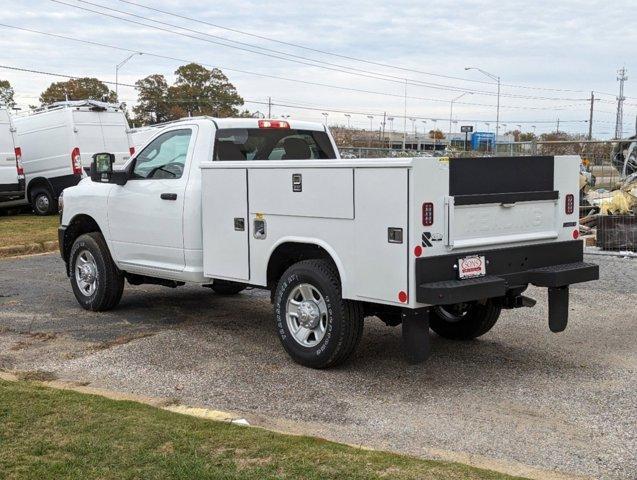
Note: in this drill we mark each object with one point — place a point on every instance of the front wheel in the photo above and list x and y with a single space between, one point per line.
316 326
464 321
97 282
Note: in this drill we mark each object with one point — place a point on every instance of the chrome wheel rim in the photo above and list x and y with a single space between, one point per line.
306 315
86 273
42 203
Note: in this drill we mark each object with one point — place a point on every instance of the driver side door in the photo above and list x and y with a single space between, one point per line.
145 216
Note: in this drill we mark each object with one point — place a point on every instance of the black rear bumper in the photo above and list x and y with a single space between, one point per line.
547 265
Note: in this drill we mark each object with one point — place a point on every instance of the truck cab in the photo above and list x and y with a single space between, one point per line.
425 242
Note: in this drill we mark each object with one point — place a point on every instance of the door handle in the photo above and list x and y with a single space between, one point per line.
168 196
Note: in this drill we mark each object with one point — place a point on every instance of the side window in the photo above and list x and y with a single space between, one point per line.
164 157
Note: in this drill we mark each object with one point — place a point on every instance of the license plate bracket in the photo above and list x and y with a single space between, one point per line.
472 266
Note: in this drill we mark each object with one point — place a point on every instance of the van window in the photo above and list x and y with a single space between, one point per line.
164 157
272 144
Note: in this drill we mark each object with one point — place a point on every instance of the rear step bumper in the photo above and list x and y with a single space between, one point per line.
549 265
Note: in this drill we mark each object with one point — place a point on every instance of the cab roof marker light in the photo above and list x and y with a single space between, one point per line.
273 124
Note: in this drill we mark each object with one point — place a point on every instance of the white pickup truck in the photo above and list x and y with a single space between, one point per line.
427 243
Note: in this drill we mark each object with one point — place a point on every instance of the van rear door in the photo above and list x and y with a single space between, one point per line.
115 134
501 200
10 186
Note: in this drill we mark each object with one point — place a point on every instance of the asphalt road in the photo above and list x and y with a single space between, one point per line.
564 402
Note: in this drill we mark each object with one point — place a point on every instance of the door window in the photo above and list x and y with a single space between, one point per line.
164 157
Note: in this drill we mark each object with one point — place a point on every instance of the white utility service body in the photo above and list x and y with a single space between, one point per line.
54 142
418 241
11 171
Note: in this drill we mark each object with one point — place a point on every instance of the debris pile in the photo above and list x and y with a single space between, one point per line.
613 215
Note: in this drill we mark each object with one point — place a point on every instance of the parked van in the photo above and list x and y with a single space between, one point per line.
11 173
54 142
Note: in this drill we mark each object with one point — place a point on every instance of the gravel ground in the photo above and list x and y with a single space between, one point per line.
564 402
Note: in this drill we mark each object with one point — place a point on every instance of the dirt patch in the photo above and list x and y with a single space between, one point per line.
243 463
121 340
36 376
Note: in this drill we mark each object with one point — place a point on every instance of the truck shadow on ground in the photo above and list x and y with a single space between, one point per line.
246 322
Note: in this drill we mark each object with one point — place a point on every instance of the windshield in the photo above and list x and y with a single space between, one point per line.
272 144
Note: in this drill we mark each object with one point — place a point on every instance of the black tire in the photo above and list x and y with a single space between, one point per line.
109 280
475 320
43 202
343 318
223 287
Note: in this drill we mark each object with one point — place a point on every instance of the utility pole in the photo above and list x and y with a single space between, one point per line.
558 126
590 118
269 107
619 123
405 118
384 117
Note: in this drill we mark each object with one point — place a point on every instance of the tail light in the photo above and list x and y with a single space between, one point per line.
18 162
569 204
273 124
76 161
131 150
427 214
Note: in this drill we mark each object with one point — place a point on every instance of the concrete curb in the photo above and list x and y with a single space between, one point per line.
28 249
286 428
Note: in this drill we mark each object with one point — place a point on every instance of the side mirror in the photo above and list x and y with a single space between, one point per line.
102 170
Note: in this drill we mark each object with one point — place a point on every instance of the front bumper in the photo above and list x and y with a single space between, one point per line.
550 265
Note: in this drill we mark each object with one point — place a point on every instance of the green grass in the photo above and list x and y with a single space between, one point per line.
25 229
47 433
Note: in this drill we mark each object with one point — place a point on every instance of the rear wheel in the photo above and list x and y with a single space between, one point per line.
97 282
316 326
464 321
42 201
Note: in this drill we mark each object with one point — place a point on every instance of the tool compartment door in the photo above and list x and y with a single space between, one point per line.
382 203
225 224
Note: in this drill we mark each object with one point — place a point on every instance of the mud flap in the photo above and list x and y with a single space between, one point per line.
558 308
416 341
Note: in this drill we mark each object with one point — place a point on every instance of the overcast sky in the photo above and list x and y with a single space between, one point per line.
563 50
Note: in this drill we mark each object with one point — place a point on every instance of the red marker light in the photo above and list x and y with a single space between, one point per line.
575 234
418 250
402 297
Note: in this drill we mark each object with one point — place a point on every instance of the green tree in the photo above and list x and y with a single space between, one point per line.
6 94
527 137
199 91
78 89
153 105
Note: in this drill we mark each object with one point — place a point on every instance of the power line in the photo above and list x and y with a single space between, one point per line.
293 105
306 82
347 57
304 61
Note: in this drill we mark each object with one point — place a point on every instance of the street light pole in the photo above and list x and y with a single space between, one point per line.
117 67
371 128
348 120
497 115
325 114
451 112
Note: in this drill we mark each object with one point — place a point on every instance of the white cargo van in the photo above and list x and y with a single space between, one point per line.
54 141
427 243
11 173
